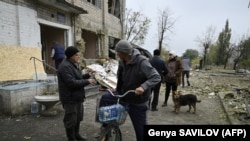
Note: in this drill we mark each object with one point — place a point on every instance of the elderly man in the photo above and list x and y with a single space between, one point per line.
71 84
134 73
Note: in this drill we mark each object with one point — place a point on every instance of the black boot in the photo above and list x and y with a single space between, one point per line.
77 135
70 134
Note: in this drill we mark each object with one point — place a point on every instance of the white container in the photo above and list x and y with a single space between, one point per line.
34 107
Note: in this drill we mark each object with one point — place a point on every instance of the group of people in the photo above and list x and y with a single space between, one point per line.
135 72
173 72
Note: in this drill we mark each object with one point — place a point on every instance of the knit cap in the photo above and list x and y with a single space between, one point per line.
123 46
70 51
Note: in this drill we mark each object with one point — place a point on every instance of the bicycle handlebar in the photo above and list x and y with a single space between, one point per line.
119 96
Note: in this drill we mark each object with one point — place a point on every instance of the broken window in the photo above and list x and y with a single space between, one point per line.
114 7
112 42
96 3
91 1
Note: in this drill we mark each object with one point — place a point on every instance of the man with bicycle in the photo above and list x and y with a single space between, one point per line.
134 73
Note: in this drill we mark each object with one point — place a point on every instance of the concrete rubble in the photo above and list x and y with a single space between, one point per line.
232 88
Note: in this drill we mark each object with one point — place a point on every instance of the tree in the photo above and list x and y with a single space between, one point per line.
241 53
225 49
206 41
212 55
165 24
164 54
136 27
191 53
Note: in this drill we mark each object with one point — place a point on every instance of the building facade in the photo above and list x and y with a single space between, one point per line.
29 27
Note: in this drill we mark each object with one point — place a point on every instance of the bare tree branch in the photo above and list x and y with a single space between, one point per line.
206 41
136 27
165 24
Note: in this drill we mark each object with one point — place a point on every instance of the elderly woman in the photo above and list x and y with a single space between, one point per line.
173 78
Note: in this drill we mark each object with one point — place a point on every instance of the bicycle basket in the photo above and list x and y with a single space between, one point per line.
115 113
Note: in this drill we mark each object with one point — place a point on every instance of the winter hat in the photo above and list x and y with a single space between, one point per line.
172 52
70 51
123 46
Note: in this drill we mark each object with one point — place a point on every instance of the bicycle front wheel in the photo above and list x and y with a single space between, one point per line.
114 134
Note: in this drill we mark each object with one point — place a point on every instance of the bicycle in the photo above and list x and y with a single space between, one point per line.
112 116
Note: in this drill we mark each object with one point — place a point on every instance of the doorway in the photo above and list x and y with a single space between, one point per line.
49 34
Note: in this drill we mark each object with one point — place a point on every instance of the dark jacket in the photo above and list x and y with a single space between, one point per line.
138 72
71 82
159 64
59 52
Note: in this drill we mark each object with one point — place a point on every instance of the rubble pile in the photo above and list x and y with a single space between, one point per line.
234 91
106 73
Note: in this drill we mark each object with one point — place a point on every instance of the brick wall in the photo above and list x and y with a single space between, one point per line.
19 40
18 26
50 14
29 29
8 24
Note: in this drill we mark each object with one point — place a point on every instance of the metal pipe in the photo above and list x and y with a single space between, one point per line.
35 67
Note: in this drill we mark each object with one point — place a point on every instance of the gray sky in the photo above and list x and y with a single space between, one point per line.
193 17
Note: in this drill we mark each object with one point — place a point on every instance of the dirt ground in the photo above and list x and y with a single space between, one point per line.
50 128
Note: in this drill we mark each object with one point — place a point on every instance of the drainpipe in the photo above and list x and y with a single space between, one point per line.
74 28
103 28
122 10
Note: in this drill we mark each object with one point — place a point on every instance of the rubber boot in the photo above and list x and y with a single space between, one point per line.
77 135
70 134
188 82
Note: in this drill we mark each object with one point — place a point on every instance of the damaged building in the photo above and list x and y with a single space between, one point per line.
29 27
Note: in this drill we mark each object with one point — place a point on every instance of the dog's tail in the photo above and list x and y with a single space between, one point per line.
198 101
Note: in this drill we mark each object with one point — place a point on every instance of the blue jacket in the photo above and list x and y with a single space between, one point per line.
59 52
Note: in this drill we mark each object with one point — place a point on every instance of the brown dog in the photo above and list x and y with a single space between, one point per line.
183 100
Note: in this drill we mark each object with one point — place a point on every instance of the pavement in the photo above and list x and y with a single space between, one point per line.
211 111
50 128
